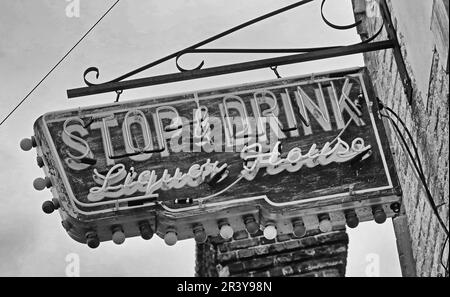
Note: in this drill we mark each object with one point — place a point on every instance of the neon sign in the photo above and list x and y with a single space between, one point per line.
302 143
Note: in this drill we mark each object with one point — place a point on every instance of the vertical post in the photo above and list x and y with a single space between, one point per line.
404 246
401 66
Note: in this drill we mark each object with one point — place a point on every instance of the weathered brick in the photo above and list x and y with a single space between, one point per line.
263 240
287 270
277 247
228 256
235 267
240 244
276 258
312 265
258 263
428 120
261 274
284 237
245 253
261 250
321 273
292 244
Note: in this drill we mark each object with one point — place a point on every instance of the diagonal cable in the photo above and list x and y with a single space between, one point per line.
57 64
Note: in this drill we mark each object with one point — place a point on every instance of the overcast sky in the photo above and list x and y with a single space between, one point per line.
36 34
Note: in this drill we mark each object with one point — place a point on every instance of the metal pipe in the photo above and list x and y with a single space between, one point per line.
231 68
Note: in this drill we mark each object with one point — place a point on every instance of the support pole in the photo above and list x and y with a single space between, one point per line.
404 246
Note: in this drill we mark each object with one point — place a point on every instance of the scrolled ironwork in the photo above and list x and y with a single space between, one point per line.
334 26
195 49
197 45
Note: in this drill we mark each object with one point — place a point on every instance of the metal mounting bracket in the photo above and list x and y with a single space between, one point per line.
401 66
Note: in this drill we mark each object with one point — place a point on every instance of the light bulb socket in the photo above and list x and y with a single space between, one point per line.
351 219
396 207
56 203
251 225
92 239
40 161
199 234
378 214
324 216
222 223
299 228
146 230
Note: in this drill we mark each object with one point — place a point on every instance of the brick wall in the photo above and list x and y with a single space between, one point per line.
316 254
428 120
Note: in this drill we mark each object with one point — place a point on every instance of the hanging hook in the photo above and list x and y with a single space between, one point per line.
275 70
118 92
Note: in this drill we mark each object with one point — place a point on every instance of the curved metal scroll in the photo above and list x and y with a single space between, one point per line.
199 44
195 48
337 27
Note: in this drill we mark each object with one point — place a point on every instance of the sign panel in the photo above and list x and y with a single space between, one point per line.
282 145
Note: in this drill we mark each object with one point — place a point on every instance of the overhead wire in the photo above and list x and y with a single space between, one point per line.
417 164
57 64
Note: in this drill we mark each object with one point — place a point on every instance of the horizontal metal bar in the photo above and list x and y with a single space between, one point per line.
231 68
201 43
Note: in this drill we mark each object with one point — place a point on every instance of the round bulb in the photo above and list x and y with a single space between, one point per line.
270 232
299 229
48 207
93 242
39 184
26 144
226 232
352 220
118 237
251 225
200 236
170 238
379 216
146 231
325 226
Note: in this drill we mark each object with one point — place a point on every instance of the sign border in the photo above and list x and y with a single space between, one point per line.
356 72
